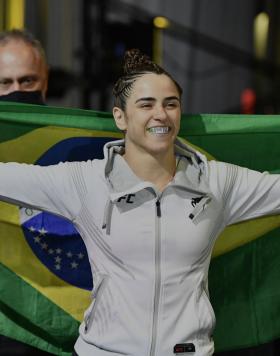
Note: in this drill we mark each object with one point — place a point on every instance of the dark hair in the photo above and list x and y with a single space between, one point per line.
23 36
135 65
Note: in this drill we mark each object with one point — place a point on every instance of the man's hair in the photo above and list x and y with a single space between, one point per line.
23 36
135 65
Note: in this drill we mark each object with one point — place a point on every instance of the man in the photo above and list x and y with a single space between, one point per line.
23 68
23 78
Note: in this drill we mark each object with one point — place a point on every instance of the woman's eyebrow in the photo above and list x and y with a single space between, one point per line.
145 99
153 99
172 98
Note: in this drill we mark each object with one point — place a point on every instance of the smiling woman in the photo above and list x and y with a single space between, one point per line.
148 109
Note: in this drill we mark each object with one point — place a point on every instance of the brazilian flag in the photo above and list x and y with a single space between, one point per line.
45 278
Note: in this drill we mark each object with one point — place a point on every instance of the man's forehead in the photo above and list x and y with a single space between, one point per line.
20 58
20 50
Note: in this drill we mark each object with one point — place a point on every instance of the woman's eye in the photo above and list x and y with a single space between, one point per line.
148 105
172 105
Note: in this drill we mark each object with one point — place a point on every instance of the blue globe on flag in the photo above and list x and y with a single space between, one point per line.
54 240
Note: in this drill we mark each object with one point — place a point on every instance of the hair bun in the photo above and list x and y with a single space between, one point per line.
135 65
135 61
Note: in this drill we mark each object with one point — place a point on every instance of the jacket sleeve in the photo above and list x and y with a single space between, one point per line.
245 193
58 189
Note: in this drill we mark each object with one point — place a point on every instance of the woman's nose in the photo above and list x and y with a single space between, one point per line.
160 113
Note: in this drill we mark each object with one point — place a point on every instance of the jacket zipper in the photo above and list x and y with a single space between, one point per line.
96 295
157 278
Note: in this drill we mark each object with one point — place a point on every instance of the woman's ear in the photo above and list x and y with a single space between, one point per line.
119 117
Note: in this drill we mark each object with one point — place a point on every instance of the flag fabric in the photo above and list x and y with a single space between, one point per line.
45 278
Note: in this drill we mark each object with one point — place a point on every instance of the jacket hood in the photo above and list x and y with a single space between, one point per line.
121 180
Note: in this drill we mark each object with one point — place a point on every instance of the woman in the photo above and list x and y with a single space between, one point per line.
149 214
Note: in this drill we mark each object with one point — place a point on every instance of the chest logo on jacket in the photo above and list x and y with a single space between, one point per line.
128 198
195 201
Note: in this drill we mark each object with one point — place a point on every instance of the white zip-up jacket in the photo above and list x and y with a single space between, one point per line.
149 251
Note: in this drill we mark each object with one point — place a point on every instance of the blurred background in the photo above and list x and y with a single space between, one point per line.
224 53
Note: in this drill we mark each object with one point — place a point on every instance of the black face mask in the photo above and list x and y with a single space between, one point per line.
25 97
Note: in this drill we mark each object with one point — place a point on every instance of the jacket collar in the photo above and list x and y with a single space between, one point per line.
191 166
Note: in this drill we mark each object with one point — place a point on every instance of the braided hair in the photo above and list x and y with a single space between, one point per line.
135 65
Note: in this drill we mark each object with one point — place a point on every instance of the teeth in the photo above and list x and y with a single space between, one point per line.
159 130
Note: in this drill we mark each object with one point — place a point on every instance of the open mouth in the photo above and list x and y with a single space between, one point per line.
159 130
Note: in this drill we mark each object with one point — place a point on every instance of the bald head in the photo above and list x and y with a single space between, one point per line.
22 66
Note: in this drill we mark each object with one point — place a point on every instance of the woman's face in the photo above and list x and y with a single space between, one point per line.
152 115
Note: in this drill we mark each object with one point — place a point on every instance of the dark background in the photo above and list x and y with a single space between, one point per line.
209 47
